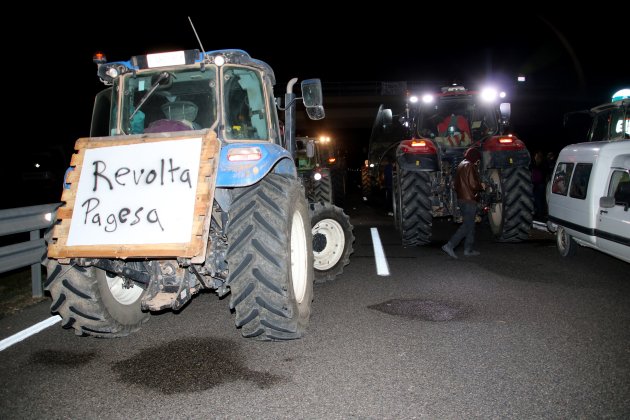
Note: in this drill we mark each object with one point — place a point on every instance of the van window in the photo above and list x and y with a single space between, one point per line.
620 187
561 178
579 182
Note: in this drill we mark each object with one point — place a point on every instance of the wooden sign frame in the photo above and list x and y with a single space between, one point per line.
195 248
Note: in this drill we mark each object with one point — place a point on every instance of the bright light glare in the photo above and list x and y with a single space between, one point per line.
37 165
427 99
502 95
489 94
371 165
620 95
413 99
521 79
219 60
317 176
112 72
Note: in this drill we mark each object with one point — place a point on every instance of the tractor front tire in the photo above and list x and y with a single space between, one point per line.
270 259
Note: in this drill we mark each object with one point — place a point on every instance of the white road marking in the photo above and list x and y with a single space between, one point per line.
382 269
32 330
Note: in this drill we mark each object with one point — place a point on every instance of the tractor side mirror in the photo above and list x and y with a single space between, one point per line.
386 118
313 98
506 110
310 149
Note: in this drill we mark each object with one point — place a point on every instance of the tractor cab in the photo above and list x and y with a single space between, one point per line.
188 90
457 118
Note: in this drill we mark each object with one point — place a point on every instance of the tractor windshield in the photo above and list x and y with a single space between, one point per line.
457 122
177 100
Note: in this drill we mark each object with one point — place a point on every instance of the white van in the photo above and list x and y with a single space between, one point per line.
589 196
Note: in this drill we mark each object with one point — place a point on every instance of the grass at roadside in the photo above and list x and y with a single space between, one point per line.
16 291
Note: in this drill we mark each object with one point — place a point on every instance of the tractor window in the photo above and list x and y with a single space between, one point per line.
617 131
561 178
457 123
245 105
599 130
184 99
579 182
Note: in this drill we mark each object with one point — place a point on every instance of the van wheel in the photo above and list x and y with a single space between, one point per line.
566 244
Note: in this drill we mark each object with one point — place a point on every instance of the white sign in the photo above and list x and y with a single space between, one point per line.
136 194
166 59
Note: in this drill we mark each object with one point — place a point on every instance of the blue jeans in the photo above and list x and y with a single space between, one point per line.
467 229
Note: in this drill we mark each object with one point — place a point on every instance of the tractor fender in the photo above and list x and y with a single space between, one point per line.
418 162
242 173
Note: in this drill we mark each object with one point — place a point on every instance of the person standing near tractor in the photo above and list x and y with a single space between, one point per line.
468 185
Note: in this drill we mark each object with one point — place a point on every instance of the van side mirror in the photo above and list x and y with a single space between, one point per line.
313 98
607 202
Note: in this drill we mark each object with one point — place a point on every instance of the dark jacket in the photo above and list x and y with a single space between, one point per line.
467 181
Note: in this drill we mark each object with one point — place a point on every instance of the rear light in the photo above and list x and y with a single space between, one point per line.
418 146
243 154
332 160
503 143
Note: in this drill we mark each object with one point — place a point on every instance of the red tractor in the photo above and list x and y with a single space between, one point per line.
425 149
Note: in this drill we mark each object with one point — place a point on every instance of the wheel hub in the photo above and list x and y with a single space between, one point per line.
319 242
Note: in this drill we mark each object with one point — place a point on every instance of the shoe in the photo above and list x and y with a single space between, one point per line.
449 250
472 253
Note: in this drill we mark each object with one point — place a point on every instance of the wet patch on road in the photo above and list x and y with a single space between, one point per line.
61 358
427 310
190 365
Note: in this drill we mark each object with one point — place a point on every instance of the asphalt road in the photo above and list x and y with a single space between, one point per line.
517 332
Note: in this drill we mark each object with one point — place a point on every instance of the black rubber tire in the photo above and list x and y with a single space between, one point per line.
82 297
567 247
416 217
396 199
338 177
332 240
511 220
322 189
271 286
366 182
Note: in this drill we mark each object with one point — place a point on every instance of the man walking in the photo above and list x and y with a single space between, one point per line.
467 185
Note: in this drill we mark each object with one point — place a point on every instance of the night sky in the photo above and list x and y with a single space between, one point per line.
570 62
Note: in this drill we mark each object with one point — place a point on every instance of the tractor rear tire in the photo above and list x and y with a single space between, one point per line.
322 189
270 259
366 182
93 301
412 206
339 187
511 219
332 240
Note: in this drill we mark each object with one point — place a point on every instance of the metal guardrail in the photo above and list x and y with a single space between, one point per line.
26 219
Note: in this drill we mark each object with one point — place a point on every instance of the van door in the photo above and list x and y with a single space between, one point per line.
613 224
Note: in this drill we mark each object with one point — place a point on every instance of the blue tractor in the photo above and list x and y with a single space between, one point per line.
187 182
